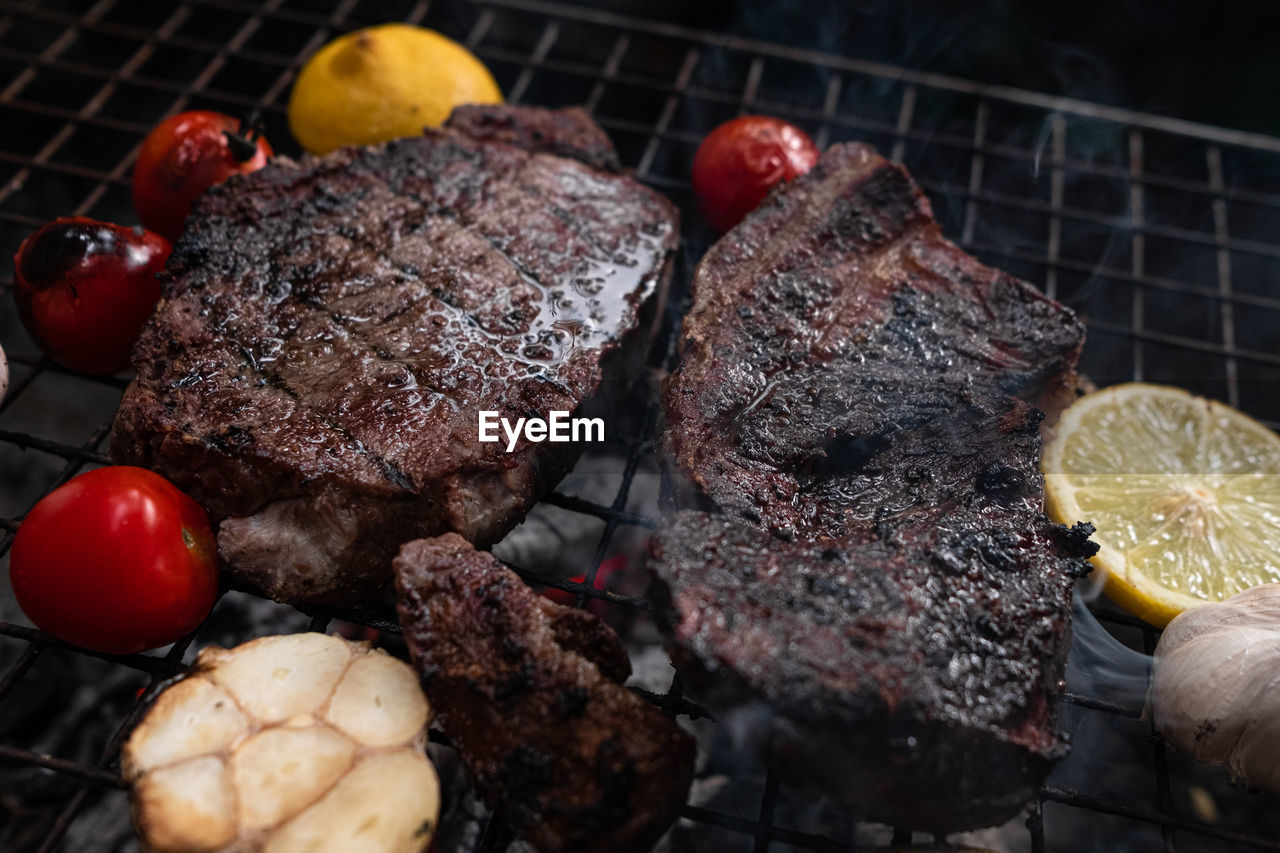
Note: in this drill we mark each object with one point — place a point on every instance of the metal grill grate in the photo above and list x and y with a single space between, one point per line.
1160 232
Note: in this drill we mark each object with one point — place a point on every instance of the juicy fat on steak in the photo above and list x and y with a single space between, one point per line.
862 567
331 329
531 694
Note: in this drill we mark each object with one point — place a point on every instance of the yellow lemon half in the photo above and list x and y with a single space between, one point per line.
383 83
1184 492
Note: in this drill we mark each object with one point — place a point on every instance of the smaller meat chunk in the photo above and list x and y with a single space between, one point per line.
531 694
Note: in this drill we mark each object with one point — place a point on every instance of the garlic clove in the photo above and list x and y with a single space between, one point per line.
1199 694
378 701
275 678
193 717
1258 607
1256 757
280 771
388 802
187 806
1215 685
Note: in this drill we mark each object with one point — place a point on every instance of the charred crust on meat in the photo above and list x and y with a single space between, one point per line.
846 453
516 683
858 556
531 694
573 700
1076 539
528 773
1002 482
873 211
350 314
574 135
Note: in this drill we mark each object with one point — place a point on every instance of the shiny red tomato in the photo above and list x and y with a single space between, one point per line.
85 289
741 160
182 157
117 560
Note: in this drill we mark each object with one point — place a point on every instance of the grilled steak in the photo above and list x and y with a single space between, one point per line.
332 328
531 694
853 433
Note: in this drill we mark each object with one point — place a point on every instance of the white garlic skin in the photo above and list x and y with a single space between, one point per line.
1215 685
301 743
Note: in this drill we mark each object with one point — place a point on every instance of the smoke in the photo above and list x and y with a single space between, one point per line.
1100 666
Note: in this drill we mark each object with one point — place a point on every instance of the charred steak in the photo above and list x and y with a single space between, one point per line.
332 328
531 694
862 562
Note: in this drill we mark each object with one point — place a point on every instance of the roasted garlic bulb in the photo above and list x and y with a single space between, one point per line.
285 744
1213 685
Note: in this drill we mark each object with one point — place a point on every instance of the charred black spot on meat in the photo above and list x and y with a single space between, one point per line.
573 700
979 552
528 773
986 626
1002 482
833 588
871 212
843 454
517 682
1076 539
615 773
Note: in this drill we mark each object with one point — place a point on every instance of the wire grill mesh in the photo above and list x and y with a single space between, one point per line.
1161 233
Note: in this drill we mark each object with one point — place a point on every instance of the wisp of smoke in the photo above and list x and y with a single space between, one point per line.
1101 666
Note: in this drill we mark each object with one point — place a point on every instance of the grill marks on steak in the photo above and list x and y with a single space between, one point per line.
331 329
531 694
855 417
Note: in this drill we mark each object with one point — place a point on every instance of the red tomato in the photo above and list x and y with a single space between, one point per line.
85 289
182 157
740 161
117 560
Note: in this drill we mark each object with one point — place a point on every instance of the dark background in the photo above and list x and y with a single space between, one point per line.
1214 62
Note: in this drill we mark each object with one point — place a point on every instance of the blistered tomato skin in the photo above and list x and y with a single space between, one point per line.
85 288
182 157
117 560
741 160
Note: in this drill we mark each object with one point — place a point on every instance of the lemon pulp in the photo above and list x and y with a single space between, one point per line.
1184 493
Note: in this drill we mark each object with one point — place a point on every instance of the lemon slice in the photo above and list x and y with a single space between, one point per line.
1184 493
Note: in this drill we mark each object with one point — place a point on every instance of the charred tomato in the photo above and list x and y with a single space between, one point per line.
182 157
85 289
117 560
741 160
